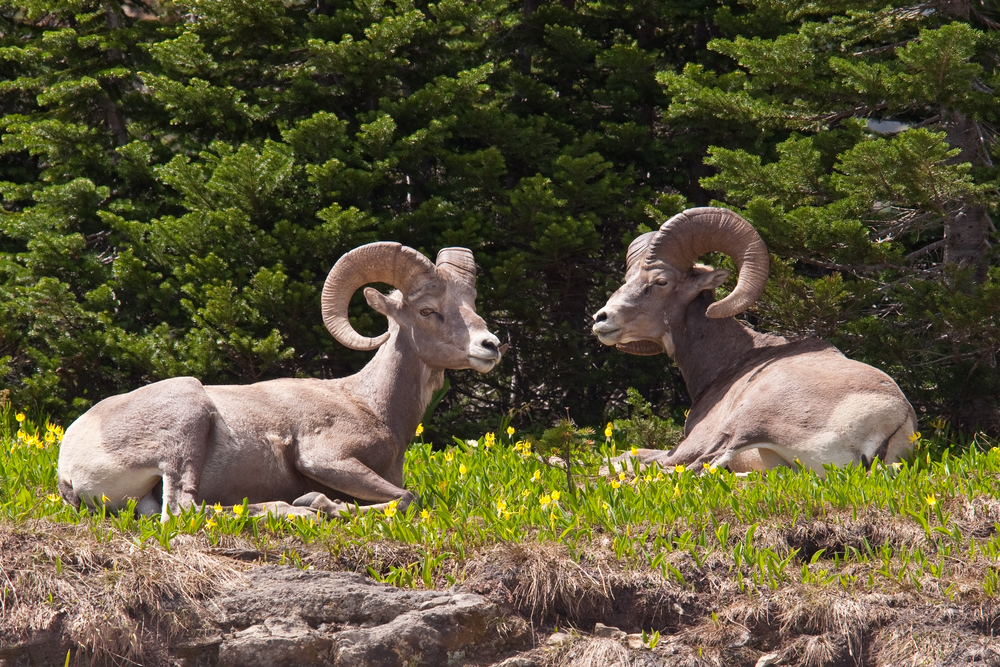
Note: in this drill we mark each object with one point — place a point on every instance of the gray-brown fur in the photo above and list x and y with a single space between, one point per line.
758 401
292 446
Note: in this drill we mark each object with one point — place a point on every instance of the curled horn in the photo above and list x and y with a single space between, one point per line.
686 236
637 250
382 262
458 264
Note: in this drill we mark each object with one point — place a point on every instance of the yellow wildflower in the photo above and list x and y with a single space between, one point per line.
686 413
217 507
390 509
545 500
210 523
537 476
713 470
238 510
633 450
915 436
525 493
50 437
489 439
54 497
609 430
462 469
425 515
677 491
615 484
621 475
104 498
449 456
20 417
931 500
420 428
501 506
555 496
679 468
897 465
706 465
510 430
648 478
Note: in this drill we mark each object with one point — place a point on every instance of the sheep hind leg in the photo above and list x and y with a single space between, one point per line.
182 476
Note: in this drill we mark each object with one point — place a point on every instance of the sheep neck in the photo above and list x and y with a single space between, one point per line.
397 386
706 349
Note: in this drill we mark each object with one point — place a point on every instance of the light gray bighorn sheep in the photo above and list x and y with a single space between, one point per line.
758 401
294 446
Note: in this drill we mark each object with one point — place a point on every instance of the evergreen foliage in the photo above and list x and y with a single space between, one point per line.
177 178
868 136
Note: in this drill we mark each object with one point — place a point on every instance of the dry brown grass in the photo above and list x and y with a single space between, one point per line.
125 605
712 621
120 603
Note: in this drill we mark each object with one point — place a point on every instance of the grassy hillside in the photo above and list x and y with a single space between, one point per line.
711 566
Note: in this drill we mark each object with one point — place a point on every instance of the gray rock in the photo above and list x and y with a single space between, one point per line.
519 661
608 632
559 638
278 642
287 617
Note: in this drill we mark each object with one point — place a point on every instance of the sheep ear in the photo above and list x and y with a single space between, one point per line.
710 280
380 302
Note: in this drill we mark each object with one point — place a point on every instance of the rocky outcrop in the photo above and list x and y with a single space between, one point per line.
279 616
290 617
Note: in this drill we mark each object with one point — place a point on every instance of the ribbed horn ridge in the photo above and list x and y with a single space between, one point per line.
458 263
382 262
637 250
688 235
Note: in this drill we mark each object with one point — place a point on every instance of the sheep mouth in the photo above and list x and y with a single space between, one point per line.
483 364
608 336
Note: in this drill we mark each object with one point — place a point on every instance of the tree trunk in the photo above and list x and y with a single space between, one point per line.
967 230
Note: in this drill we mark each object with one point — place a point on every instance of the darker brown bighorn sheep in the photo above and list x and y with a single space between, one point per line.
294 446
758 401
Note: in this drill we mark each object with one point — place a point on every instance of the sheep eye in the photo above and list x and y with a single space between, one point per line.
426 311
661 282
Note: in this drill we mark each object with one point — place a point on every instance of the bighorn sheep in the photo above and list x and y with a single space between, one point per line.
758 401
293 446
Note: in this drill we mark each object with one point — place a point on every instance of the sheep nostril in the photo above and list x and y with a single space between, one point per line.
600 317
489 345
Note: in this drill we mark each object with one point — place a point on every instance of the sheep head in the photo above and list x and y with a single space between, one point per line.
434 305
662 279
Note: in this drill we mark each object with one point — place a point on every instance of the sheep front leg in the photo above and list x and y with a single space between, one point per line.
355 479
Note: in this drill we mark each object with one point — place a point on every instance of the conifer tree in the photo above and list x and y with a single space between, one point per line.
871 175
176 179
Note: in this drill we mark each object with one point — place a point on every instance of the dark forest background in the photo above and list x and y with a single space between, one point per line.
178 177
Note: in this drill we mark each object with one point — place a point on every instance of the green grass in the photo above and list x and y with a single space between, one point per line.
923 531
